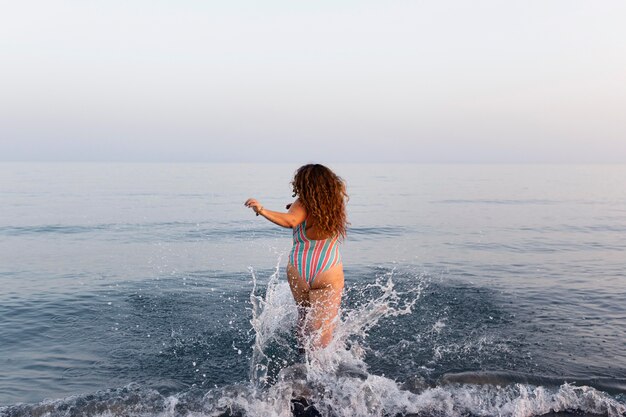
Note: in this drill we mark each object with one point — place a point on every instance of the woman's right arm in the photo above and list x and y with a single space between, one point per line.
293 217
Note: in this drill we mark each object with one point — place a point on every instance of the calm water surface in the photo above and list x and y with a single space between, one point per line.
149 289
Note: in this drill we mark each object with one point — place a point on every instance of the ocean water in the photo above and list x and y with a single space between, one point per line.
471 290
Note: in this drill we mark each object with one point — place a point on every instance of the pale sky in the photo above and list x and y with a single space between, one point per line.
320 80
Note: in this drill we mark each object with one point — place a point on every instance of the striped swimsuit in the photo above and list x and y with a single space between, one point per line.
310 257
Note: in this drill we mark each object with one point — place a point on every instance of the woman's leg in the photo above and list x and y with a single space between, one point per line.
300 291
324 297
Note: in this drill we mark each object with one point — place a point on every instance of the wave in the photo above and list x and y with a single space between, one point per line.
351 393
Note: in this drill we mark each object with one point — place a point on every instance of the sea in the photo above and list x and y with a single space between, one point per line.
149 289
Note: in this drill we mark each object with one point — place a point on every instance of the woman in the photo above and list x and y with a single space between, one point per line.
315 269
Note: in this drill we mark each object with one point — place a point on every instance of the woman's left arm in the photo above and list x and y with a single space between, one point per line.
295 215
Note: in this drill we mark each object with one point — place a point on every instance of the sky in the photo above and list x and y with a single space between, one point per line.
427 81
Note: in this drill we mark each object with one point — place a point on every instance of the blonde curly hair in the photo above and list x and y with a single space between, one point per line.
323 195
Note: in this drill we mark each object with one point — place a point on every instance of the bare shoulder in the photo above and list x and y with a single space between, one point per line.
297 204
297 211
297 207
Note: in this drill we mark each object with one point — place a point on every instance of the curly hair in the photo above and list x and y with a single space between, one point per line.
323 195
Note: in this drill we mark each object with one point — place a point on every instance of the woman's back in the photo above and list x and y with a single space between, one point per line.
314 233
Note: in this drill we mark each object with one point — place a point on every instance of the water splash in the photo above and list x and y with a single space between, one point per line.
272 318
324 376
372 396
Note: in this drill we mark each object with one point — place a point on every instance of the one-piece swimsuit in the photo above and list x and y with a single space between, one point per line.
311 257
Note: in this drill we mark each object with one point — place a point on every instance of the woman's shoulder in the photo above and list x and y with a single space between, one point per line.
298 212
297 204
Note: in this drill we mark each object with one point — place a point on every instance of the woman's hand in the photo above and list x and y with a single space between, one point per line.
295 215
254 205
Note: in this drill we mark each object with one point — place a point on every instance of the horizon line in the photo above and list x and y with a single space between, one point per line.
112 161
